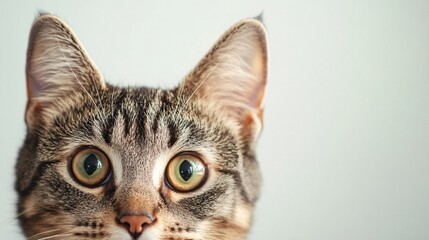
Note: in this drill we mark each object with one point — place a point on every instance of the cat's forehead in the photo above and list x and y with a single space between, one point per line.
143 123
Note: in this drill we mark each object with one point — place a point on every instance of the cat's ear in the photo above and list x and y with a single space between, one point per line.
57 66
234 74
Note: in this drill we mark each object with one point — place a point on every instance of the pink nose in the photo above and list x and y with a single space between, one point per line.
135 223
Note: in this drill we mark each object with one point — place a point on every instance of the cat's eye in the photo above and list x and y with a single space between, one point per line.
185 173
91 167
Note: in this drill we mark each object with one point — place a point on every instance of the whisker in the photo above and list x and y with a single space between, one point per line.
61 234
204 80
8 221
57 235
80 83
48 231
111 106
196 89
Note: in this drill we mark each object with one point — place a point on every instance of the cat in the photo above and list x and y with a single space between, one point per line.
105 162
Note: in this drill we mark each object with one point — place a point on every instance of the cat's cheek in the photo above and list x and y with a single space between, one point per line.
243 215
29 207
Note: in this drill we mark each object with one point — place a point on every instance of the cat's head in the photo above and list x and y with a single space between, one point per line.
104 162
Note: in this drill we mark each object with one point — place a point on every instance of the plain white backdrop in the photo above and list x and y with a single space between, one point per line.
345 150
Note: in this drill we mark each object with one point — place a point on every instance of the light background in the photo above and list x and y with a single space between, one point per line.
344 152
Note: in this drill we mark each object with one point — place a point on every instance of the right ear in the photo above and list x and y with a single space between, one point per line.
57 66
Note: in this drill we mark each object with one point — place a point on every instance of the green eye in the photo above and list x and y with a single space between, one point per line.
91 167
185 173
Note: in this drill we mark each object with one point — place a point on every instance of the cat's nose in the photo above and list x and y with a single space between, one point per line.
135 223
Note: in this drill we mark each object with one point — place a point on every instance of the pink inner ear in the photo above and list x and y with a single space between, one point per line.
258 70
257 97
33 87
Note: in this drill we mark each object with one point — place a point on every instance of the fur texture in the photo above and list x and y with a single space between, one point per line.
215 112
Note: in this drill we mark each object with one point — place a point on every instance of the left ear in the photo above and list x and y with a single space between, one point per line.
234 75
57 66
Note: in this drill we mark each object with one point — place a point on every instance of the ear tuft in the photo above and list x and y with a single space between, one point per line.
41 13
260 17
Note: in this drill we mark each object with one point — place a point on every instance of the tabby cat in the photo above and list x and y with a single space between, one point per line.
106 162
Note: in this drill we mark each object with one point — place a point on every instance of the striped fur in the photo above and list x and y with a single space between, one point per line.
216 111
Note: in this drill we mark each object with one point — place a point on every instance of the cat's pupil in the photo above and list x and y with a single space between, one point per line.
91 164
186 170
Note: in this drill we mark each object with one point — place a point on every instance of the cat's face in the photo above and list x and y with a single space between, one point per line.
103 162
